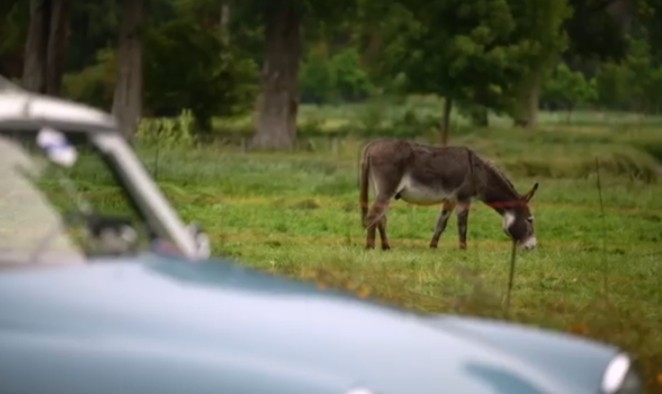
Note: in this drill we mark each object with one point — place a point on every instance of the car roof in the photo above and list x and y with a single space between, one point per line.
21 109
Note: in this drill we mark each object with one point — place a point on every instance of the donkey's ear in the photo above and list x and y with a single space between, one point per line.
529 195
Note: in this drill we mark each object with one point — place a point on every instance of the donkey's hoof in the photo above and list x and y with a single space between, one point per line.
369 247
386 247
433 246
463 246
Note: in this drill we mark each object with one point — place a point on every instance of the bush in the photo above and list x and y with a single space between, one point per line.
328 79
613 86
187 66
94 85
317 78
352 82
567 88
167 133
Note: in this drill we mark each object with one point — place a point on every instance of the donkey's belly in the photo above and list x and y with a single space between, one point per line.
416 193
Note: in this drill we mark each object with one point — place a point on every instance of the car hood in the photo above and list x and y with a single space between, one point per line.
165 325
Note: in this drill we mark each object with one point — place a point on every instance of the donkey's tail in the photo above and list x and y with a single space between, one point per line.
363 183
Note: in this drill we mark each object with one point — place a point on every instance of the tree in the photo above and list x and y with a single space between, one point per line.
326 78
458 49
46 45
278 103
221 83
567 88
541 39
317 78
127 100
96 29
613 86
598 29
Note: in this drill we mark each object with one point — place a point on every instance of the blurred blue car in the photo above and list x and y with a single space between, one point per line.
113 293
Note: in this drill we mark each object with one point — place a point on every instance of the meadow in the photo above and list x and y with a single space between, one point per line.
596 271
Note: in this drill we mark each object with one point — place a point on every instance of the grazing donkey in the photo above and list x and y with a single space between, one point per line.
425 175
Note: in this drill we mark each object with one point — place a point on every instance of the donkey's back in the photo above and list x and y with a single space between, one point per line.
417 173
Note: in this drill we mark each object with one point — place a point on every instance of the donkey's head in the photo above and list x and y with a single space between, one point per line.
518 221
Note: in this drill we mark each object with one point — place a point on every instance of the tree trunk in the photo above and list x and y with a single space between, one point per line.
446 121
57 41
45 46
278 103
127 100
225 22
34 66
526 110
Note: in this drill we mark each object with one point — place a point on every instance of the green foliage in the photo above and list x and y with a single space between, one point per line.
93 84
613 85
352 80
485 53
567 88
540 38
167 133
340 77
187 66
372 119
597 33
94 27
14 17
317 77
634 84
459 51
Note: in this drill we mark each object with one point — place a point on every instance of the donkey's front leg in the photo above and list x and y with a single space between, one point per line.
462 219
445 213
370 237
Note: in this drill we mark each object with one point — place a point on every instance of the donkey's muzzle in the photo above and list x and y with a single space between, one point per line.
529 244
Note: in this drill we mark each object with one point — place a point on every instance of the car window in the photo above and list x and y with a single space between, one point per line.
60 202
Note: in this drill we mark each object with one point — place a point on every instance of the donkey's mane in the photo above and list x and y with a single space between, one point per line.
490 166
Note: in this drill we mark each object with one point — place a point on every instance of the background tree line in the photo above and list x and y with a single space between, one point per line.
225 57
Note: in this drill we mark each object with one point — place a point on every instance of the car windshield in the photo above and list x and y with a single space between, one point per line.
60 202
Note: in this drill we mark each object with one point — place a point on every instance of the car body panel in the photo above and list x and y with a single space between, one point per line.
202 321
548 350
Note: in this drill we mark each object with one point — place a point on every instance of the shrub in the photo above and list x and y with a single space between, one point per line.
95 84
167 133
352 81
317 78
187 66
327 79
567 88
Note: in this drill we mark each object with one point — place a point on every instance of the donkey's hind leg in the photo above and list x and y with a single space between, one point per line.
445 213
376 219
381 226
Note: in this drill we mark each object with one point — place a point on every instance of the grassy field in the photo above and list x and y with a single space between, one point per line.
596 272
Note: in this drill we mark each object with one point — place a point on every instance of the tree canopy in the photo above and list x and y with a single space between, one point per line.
220 58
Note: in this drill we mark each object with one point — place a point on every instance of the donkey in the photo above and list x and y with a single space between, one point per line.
453 176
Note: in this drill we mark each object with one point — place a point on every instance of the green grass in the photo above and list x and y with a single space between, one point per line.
421 113
296 214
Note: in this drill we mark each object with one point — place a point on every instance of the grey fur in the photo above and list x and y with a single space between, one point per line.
453 176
